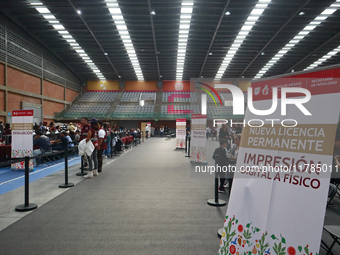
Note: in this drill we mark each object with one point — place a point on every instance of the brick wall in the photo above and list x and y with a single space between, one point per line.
14 101
2 100
20 80
53 90
70 95
2 74
50 107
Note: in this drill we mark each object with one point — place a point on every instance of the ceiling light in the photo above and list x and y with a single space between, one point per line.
58 27
243 33
42 10
307 29
118 18
51 17
227 13
324 58
262 53
153 12
210 53
106 54
186 10
79 12
301 13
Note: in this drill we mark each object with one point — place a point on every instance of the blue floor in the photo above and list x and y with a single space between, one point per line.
11 180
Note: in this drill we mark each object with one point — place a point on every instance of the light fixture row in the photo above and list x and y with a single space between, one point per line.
305 31
184 27
45 12
118 18
324 58
246 28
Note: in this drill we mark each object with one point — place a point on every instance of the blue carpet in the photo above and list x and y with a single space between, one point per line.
11 180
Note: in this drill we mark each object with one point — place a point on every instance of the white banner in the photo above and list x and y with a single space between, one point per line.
180 132
22 137
198 138
279 194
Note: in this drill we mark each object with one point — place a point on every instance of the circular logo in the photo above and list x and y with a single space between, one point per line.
179 86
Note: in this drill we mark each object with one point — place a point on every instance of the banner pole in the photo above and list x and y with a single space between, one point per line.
66 184
188 156
27 206
216 201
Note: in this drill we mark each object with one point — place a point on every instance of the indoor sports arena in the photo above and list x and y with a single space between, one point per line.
168 127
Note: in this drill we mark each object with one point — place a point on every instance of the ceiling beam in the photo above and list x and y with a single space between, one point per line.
154 39
94 37
214 36
274 36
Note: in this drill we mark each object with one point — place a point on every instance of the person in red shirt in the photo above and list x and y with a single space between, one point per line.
85 129
92 136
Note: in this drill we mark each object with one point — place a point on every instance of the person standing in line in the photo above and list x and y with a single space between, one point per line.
107 152
83 134
147 130
92 136
161 131
101 145
221 159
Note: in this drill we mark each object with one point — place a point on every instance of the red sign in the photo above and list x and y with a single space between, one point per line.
19 113
181 120
198 116
322 82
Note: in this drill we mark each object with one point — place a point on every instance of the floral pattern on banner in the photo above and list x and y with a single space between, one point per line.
244 239
21 154
198 154
180 143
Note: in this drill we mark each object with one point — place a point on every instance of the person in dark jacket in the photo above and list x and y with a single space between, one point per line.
221 159
224 134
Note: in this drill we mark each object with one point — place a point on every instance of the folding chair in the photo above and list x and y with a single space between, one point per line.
334 232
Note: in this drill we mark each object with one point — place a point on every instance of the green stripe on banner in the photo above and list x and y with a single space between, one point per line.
209 95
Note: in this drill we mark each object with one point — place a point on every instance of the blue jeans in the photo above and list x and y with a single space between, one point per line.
36 153
107 152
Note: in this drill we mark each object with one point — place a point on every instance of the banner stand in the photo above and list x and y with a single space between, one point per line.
181 133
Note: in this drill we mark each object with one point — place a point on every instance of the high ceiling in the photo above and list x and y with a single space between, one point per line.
155 37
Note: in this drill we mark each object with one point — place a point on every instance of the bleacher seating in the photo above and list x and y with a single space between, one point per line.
89 108
179 110
218 111
98 96
134 96
134 111
130 97
179 97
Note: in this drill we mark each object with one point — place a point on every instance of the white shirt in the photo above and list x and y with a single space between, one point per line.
101 133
